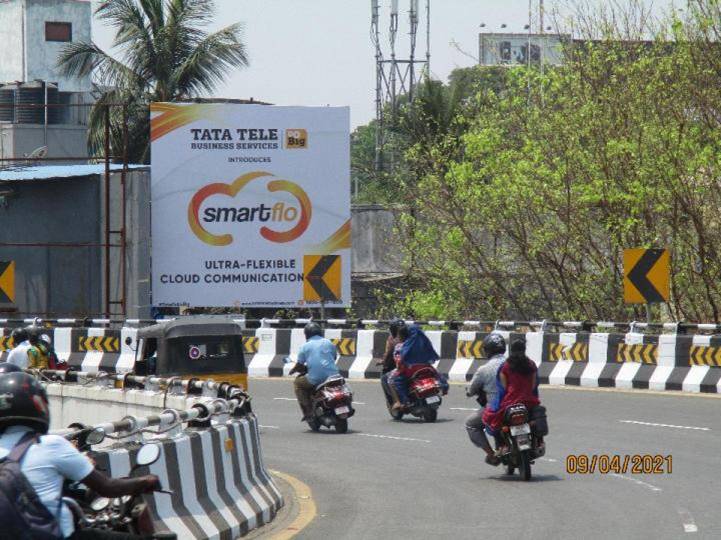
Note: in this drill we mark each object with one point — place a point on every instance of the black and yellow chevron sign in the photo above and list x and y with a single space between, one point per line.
345 346
702 355
106 344
6 343
470 349
642 353
578 352
250 344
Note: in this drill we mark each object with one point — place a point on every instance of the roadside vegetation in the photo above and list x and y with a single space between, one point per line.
521 188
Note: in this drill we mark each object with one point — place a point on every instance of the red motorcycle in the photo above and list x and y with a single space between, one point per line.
425 392
332 405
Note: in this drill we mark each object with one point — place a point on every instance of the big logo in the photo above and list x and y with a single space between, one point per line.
277 213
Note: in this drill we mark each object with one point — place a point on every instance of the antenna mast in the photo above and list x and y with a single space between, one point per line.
396 77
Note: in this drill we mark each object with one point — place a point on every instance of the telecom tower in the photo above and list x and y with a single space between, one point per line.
396 77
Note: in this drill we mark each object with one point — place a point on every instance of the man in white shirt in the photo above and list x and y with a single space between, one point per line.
19 354
52 459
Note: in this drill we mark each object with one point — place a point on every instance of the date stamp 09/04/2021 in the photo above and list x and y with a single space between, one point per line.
619 464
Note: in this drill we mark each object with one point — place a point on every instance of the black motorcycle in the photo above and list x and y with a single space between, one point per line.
522 439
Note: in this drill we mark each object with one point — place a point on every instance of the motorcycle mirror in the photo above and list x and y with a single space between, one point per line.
99 504
96 436
148 454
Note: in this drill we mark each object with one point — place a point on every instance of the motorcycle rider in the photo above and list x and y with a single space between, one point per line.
517 382
318 356
37 353
388 362
50 459
412 354
483 384
21 346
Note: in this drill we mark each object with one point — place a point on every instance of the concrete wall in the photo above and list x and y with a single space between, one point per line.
53 279
11 25
22 34
374 250
69 281
18 140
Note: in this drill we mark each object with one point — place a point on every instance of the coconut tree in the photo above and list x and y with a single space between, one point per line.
161 52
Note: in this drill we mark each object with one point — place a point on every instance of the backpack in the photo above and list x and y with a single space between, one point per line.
22 513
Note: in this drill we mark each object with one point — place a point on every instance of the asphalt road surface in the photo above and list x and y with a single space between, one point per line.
408 479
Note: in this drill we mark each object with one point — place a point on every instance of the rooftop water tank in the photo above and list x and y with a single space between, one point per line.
7 102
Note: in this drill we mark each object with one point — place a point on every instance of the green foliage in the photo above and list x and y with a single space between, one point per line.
522 203
163 54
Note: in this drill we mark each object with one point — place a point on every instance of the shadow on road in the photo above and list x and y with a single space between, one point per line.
534 478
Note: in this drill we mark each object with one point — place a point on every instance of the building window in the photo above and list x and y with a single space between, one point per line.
58 31
505 50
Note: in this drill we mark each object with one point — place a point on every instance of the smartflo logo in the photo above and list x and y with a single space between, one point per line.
277 214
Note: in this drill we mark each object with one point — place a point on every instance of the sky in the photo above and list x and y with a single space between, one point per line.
319 52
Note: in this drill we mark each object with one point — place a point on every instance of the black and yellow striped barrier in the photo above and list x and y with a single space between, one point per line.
644 353
251 344
702 355
578 352
345 346
470 348
6 343
104 344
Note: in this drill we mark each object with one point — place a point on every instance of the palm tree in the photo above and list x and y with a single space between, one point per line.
163 55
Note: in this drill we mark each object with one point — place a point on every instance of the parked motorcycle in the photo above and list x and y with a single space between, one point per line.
522 439
126 514
425 392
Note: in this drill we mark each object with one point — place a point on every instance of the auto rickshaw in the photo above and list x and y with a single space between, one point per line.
197 346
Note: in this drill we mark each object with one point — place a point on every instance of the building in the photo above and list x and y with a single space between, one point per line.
499 49
33 33
54 226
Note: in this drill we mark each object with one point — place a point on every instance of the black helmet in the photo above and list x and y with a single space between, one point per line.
19 335
33 332
23 401
395 325
494 344
312 329
7 367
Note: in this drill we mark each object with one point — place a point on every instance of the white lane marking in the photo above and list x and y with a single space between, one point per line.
269 427
550 460
637 482
689 525
462 409
358 403
285 399
391 437
663 425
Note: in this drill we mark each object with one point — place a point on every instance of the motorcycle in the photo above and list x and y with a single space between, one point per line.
424 391
521 438
332 402
126 514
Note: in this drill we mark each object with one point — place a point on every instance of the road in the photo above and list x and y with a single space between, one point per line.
387 479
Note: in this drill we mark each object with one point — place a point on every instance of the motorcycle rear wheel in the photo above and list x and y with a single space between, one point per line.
341 425
524 466
430 415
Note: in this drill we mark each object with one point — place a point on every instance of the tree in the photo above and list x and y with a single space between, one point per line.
163 55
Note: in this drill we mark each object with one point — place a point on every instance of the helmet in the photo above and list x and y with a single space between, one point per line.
395 325
312 329
494 344
33 333
19 335
7 367
23 401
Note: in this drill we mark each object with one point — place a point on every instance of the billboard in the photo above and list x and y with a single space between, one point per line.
250 205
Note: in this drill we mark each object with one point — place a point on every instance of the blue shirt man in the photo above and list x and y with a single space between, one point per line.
318 354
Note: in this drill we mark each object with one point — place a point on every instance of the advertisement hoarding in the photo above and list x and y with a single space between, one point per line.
250 205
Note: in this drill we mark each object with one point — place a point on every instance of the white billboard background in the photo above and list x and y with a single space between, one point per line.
193 268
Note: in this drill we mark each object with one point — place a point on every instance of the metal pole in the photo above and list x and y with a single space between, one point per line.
322 310
648 313
107 210
123 231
